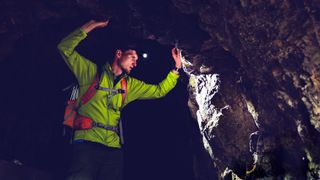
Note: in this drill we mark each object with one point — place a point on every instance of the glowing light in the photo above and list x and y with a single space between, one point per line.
145 55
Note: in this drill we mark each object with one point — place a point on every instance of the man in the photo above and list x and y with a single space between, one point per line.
97 151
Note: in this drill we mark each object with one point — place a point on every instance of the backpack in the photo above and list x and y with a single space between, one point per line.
76 121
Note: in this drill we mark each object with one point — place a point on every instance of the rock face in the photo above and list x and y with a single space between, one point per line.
253 68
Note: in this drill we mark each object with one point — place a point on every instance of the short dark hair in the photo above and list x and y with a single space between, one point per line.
127 45
113 45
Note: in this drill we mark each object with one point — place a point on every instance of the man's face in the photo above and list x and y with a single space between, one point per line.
128 60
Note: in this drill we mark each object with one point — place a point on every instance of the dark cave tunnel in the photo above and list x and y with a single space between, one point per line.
245 107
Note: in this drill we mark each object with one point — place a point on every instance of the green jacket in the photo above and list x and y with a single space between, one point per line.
101 108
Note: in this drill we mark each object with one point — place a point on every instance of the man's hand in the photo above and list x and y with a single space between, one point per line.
89 26
176 54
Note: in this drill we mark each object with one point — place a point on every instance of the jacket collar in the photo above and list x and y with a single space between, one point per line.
109 71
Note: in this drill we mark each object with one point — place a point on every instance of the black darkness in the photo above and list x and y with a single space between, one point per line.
157 132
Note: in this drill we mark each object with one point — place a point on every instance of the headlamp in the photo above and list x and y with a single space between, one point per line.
145 55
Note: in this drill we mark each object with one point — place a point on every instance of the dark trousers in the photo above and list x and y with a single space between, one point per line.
94 161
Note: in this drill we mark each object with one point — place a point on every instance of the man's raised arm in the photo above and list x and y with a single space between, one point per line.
68 44
78 64
141 90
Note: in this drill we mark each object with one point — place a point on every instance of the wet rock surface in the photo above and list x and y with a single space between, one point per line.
260 116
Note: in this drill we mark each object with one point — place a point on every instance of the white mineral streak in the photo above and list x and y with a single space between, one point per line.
253 112
254 145
207 85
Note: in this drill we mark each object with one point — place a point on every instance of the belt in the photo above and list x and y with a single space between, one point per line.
106 127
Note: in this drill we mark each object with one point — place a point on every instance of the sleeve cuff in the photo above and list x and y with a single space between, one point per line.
83 34
173 75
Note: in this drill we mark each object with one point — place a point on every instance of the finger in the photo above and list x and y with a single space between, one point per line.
179 52
176 51
105 23
91 22
173 51
101 24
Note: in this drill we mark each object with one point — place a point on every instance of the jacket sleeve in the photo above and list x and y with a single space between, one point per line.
139 90
83 69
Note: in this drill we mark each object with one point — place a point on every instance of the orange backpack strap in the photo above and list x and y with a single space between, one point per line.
124 87
91 91
71 111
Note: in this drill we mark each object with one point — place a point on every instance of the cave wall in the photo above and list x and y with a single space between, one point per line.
253 70
276 46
